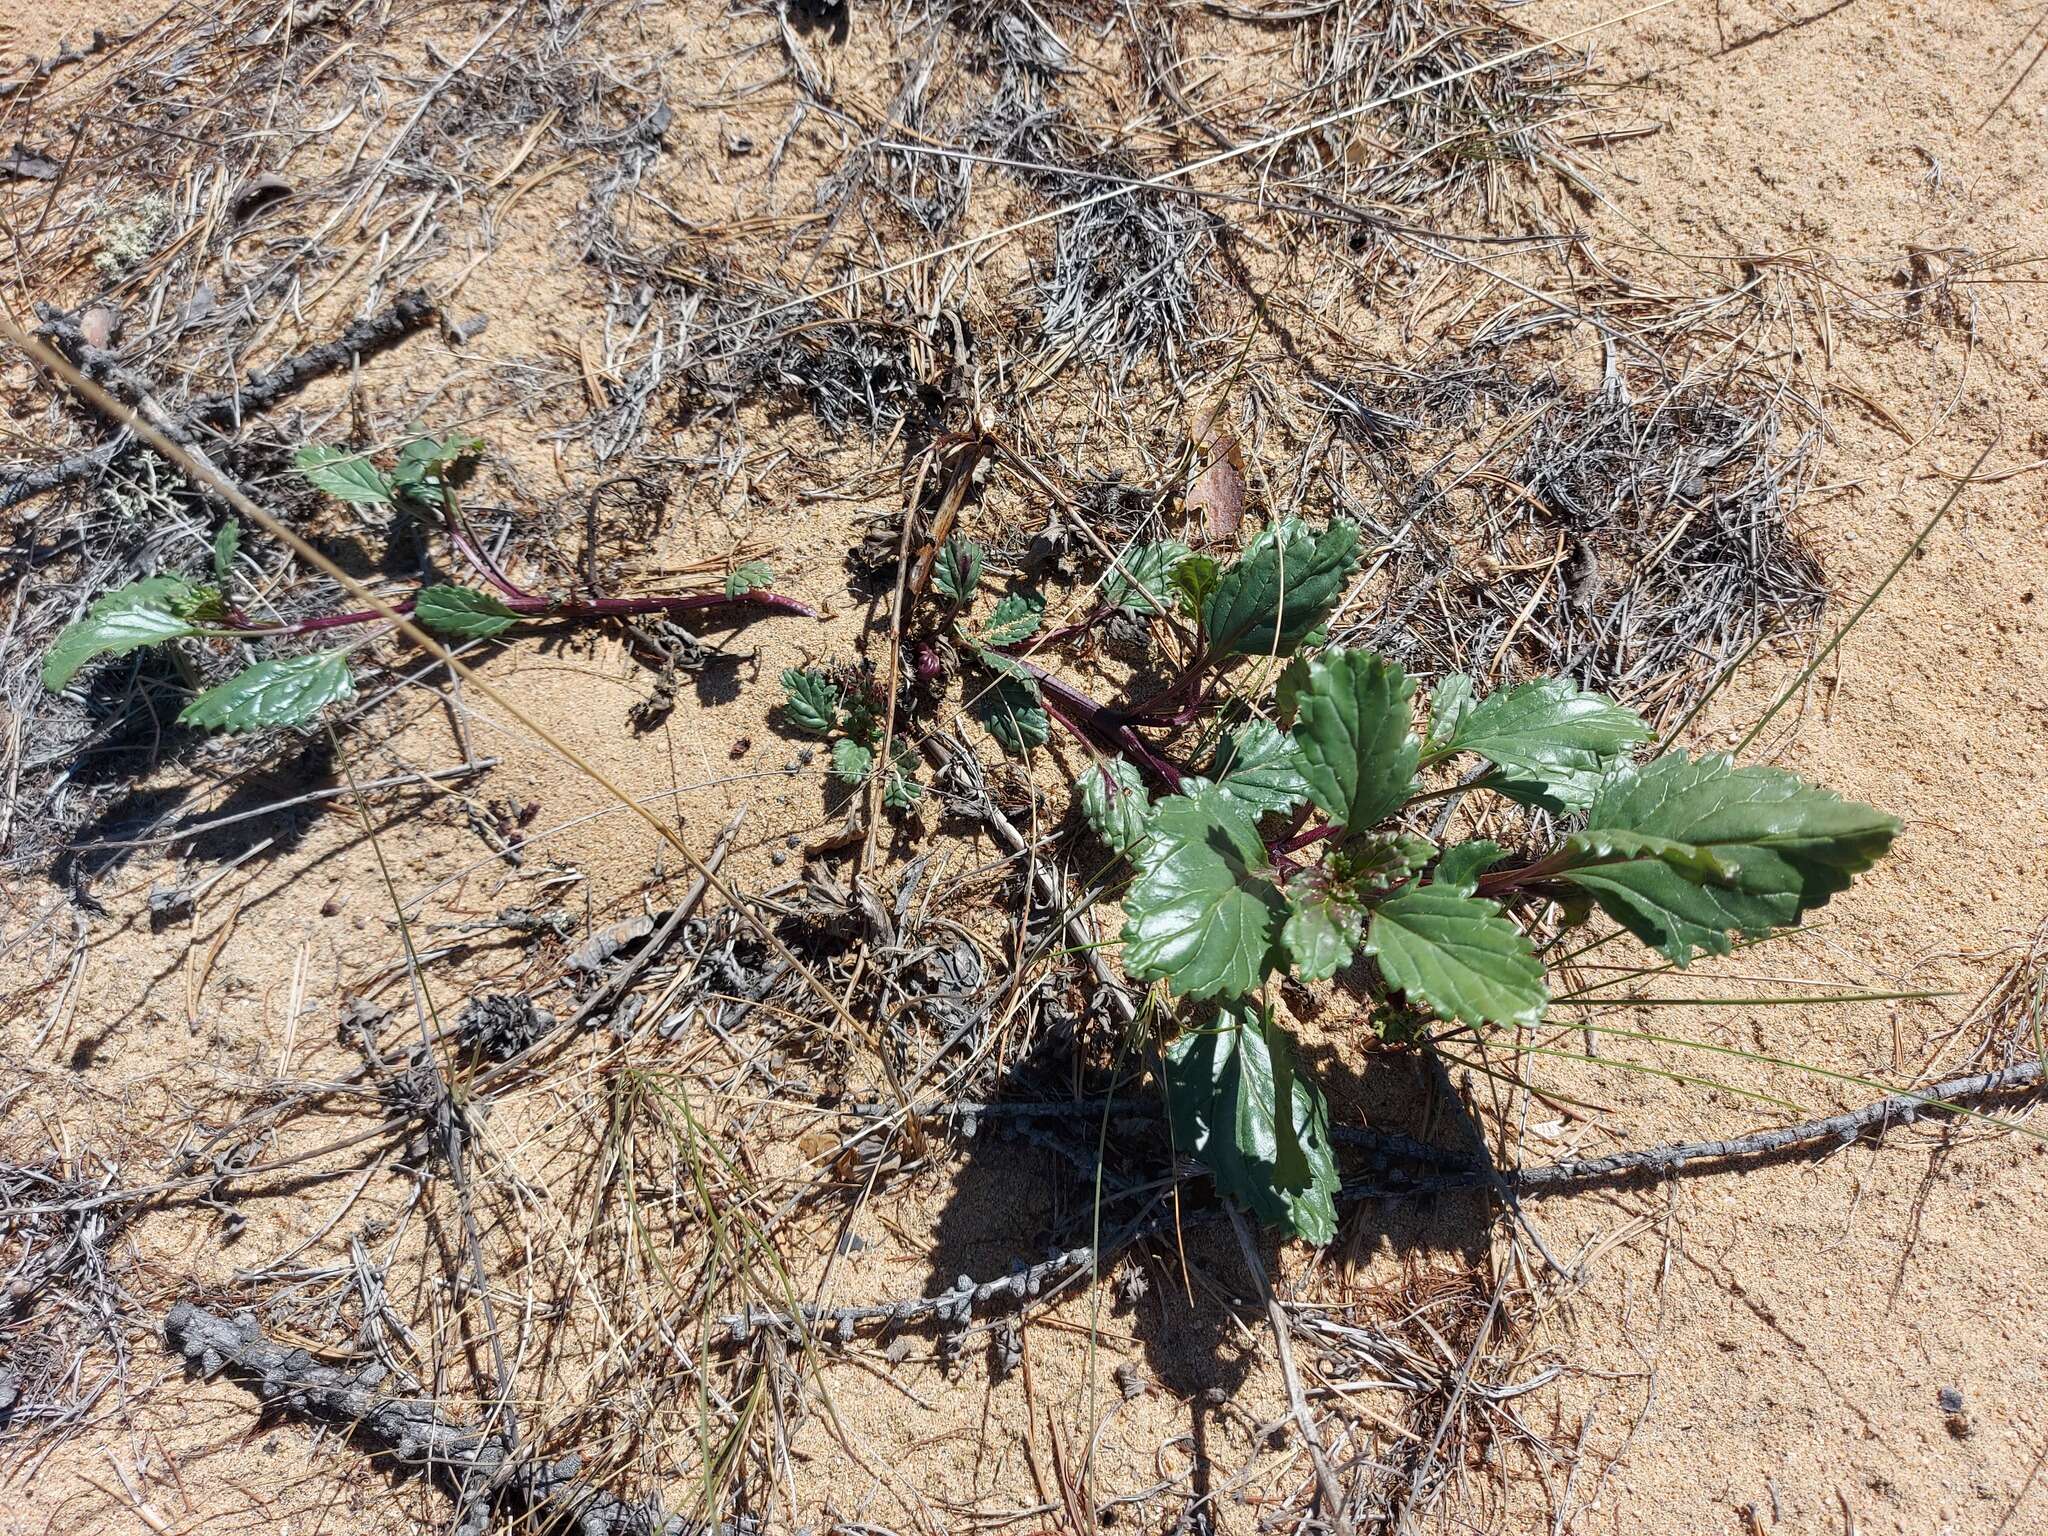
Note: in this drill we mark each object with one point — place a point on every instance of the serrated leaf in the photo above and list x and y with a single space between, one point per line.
1011 712
199 605
748 576
1237 1101
346 476
900 791
1357 751
1449 702
1007 667
289 691
1016 618
1112 796
1457 956
1611 842
861 721
1280 592
851 762
1783 847
810 702
1460 867
226 544
1259 766
1320 932
957 572
1554 740
462 612
1201 913
142 613
1141 581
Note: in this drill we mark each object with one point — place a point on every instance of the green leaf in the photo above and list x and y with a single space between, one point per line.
1112 796
1201 914
900 790
748 576
1320 932
1007 666
1555 741
851 762
1237 1102
1357 751
1287 692
1016 618
1141 581
1281 591
345 476
200 605
1449 702
1611 842
286 692
142 613
811 702
1458 957
1742 850
428 463
958 570
1193 580
1460 867
462 612
1259 766
1012 714
862 721
226 544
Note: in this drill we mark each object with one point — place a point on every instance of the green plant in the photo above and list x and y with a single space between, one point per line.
424 478
1270 602
1291 842
1300 855
842 709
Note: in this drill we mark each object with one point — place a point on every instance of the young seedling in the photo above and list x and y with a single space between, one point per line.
842 708
292 689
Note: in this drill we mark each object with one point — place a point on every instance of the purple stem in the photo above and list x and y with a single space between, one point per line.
1527 874
1179 702
485 566
1100 726
1302 840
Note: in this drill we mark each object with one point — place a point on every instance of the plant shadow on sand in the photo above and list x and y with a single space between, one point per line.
1030 1186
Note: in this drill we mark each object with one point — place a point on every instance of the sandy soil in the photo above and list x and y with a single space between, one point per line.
1740 1354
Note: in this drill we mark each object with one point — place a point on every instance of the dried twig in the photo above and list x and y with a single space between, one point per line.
479 1470
1326 1479
411 312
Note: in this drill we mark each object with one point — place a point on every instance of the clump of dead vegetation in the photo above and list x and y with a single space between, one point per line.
66 1313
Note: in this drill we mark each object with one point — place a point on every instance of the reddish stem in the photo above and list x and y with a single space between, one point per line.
1527 874
1100 726
1305 839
